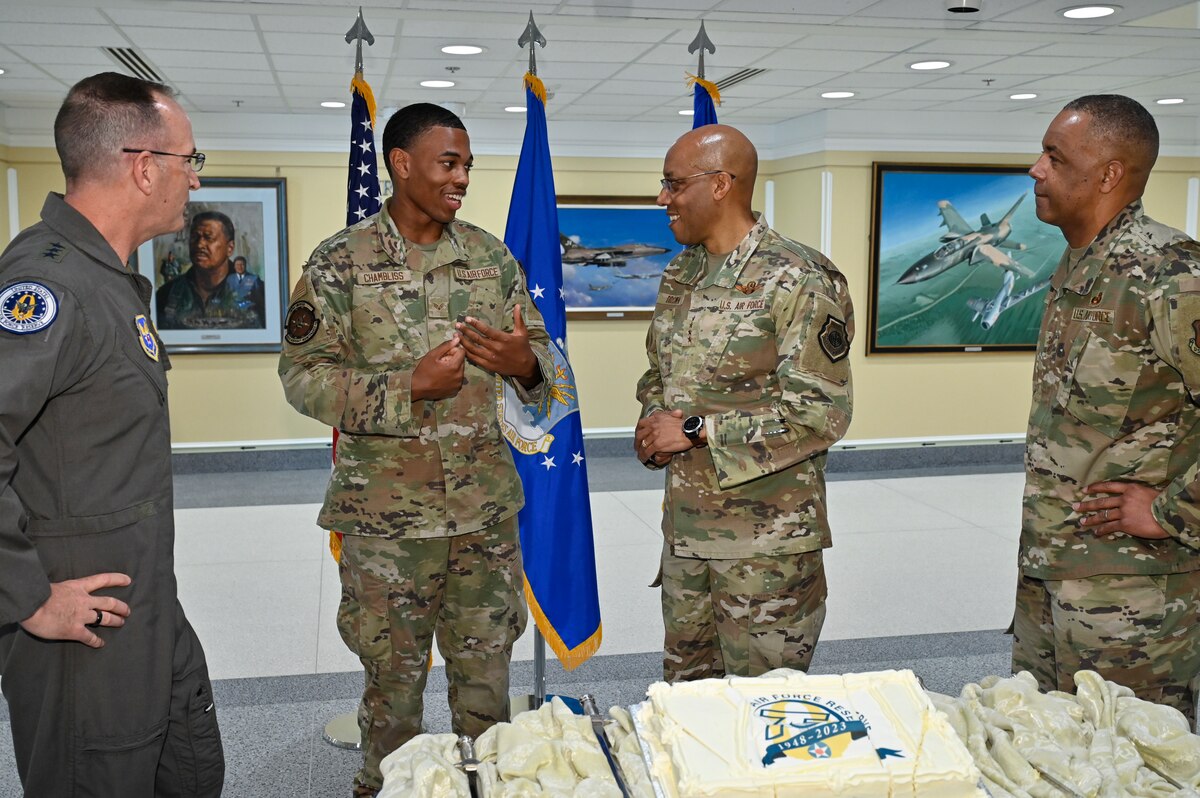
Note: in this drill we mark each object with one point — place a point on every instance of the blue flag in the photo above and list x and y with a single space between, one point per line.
362 187
704 112
547 440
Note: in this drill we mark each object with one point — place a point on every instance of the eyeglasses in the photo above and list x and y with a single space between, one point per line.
196 158
669 183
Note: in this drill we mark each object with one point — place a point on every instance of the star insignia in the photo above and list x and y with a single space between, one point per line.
537 292
365 146
361 213
577 458
361 191
548 462
364 169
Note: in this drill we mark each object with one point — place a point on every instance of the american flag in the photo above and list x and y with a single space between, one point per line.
363 197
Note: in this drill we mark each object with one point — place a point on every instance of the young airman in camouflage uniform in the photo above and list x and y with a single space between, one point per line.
748 386
1111 525
398 333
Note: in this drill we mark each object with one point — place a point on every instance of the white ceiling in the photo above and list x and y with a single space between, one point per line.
252 73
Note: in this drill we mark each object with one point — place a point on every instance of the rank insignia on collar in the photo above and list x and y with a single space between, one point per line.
55 252
27 308
146 337
833 339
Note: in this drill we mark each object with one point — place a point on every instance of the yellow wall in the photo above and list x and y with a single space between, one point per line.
897 396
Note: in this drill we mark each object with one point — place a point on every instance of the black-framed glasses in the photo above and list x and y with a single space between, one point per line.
669 183
196 158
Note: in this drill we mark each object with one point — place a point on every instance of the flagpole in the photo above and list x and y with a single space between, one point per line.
342 730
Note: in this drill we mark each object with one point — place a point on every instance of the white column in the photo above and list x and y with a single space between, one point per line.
827 213
14 218
1193 204
769 202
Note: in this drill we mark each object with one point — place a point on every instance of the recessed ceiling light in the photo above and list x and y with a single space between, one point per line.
1024 96
1 71
462 49
333 104
929 65
515 109
437 84
1169 101
1088 12
837 95
687 112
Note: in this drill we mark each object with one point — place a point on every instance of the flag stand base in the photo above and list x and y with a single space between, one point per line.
342 732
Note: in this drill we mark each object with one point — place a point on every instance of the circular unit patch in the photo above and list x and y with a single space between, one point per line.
27 308
301 324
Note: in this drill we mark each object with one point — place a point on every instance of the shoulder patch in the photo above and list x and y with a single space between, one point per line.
834 342
27 308
301 324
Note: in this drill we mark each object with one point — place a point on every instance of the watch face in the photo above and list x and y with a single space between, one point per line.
692 425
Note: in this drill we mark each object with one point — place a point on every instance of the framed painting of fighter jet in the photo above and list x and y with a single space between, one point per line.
959 260
614 250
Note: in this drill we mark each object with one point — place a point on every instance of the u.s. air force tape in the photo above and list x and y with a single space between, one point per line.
27 307
301 324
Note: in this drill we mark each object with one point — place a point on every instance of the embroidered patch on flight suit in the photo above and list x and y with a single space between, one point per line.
301 324
833 339
27 307
55 252
1195 334
1184 316
146 337
749 288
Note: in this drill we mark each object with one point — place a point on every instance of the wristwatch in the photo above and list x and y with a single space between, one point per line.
692 427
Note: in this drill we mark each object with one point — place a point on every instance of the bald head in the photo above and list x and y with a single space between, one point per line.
723 148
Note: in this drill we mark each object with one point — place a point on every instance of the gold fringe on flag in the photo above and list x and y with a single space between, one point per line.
359 84
335 546
571 658
534 83
708 85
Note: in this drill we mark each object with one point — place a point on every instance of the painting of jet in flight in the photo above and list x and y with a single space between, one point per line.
620 255
942 283
963 243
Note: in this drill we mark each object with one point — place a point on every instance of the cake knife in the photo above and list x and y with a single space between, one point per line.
1061 786
469 763
593 714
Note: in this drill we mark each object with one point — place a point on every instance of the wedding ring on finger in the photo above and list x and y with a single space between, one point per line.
1106 515
95 623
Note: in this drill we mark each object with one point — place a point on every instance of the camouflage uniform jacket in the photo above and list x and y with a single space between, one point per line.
759 347
1115 389
367 308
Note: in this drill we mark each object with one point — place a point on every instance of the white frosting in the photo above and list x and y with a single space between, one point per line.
790 733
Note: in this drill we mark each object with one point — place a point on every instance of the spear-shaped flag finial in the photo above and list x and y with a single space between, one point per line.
530 36
359 34
701 43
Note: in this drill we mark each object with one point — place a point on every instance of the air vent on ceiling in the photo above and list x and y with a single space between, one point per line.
132 61
739 77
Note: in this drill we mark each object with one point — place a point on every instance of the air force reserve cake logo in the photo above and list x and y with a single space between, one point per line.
26 308
527 427
809 727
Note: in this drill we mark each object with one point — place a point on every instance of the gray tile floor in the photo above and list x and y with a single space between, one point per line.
921 575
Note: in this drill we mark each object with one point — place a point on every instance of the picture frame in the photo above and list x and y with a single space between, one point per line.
224 306
959 260
614 251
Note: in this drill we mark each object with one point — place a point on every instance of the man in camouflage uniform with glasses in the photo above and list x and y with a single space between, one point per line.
1111 528
748 386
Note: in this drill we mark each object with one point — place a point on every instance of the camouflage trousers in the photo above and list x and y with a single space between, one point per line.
1139 631
743 616
396 595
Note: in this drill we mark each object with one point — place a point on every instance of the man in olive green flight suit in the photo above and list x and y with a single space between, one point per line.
748 386
1110 533
398 333
106 683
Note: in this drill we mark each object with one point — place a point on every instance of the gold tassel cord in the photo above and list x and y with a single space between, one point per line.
534 84
359 84
708 85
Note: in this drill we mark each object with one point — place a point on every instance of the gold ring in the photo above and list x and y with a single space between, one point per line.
1106 515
